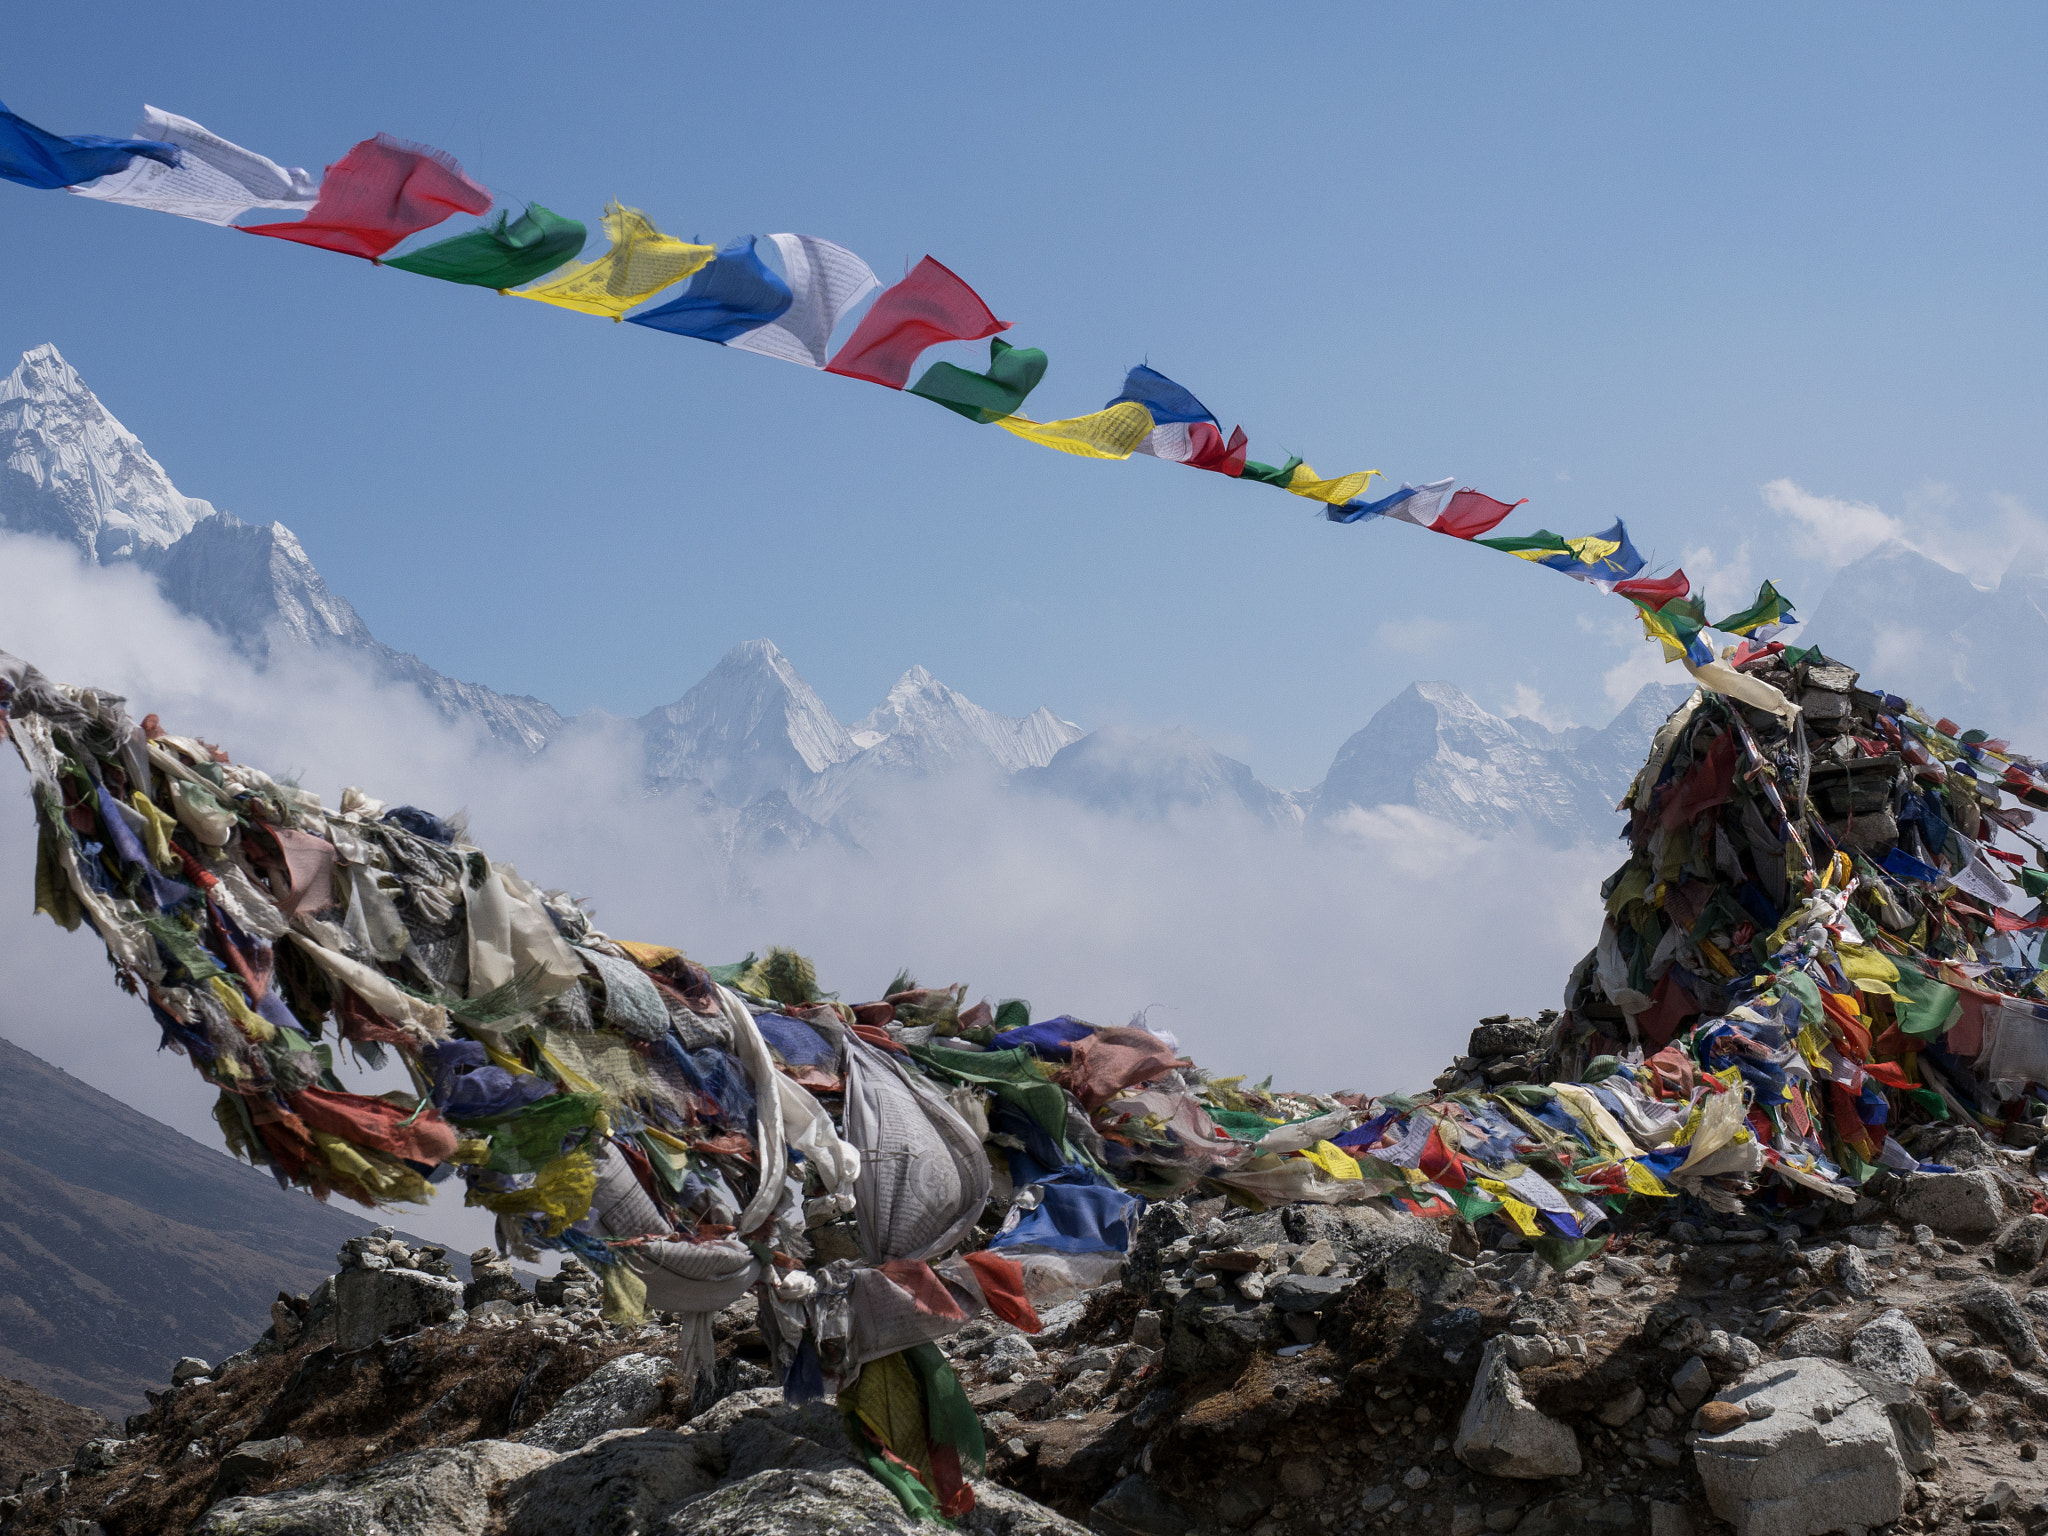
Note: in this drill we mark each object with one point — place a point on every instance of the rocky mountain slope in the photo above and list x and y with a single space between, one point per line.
1866 1367
123 1237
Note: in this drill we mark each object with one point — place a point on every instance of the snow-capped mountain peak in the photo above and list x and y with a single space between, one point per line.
69 470
947 725
751 727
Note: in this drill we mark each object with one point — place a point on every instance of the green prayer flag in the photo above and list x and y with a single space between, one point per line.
1542 540
1013 372
1015 1079
2034 882
1282 477
527 1141
1771 607
500 255
1924 1006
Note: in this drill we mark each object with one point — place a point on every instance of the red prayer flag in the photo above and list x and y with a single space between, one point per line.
378 193
1002 1286
925 1289
1211 452
929 306
378 1123
1654 594
1470 513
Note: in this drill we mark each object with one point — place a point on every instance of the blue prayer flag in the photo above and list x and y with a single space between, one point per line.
49 162
1166 400
736 294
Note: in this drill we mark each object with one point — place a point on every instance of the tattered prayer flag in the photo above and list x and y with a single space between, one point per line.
378 193
826 281
500 255
1470 513
1111 434
984 397
734 295
35 157
1417 504
641 262
213 181
929 306
1763 618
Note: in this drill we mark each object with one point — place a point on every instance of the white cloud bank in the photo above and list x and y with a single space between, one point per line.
1979 544
1356 960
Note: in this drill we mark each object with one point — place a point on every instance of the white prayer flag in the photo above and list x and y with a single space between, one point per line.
215 182
825 281
1426 505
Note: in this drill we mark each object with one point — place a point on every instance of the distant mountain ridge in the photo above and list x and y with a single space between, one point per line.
769 764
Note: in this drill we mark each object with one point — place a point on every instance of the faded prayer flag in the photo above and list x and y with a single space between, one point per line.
929 306
47 161
825 281
214 181
641 262
984 397
500 255
734 295
378 193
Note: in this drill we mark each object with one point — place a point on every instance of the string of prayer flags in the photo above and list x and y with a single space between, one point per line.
378 193
641 262
37 158
825 281
383 191
735 294
984 397
213 181
1771 612
929 306
500 255
1109 434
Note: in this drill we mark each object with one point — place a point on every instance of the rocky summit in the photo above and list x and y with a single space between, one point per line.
1867 1367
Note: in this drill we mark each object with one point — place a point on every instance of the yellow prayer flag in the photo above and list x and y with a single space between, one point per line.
1867 968
1522 1215
1642 1181
251 1023
1338 491
1111 434
1334 1161
641 262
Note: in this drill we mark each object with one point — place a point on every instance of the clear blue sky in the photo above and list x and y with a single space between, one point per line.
1618 259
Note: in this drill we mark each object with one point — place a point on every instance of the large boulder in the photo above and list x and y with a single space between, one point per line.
1819 1452
620 1394
1992 1306
1503 1434
1969 1205
1889 1346
373 1304
428 1493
